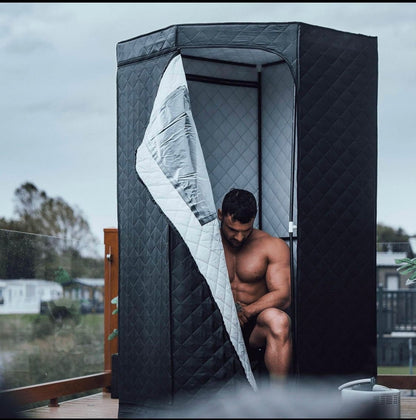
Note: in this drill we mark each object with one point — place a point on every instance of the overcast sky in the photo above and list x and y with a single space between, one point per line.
58 93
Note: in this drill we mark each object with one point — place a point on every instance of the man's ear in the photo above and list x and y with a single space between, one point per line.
219 214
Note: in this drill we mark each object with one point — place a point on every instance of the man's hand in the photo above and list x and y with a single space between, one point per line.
243 314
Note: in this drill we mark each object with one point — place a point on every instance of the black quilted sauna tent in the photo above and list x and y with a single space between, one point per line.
288 111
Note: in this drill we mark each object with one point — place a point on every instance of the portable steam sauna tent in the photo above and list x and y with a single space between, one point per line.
287 111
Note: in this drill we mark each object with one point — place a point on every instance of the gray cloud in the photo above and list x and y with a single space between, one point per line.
26 45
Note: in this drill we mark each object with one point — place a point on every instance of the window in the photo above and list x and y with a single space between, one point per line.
392 281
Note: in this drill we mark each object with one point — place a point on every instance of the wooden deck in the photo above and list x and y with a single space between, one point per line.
407 407
97 406
101 405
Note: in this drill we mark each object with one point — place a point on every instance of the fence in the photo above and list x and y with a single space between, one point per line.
396 329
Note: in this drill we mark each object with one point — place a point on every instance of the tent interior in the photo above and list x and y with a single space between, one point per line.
243 104
242 101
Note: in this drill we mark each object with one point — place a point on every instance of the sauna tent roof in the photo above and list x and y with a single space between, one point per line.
319 194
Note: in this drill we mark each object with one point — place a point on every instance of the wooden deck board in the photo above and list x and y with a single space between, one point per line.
95 406
101 405
407 407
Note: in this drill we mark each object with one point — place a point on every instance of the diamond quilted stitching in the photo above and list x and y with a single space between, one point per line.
144 327
337 169
278 105
198 332
232 144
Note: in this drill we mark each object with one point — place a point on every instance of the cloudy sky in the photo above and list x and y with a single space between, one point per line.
58 93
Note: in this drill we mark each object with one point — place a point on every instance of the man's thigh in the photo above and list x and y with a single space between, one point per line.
258 336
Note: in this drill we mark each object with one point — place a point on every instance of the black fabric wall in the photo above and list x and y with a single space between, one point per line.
144 315
203 357
337 183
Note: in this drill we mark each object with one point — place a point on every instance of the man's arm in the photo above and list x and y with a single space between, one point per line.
278 273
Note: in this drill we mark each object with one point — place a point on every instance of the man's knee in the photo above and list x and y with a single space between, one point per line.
277 321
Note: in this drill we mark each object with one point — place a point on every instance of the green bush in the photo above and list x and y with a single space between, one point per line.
407 266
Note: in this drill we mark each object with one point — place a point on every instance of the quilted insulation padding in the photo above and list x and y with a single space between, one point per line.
226 120
337 171
276 150
202 354
172 339
239 38
144 310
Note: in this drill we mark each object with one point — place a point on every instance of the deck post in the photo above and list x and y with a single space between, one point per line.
110 291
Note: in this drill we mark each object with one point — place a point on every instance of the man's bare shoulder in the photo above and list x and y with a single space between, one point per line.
269 242
278 245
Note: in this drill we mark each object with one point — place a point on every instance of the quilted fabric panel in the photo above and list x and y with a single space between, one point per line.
336 203
277 139
238 41
280 38
219 70
238 55
144 319
202 354
146 45
226 120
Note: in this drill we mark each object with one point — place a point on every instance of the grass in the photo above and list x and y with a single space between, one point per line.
37 349
394 370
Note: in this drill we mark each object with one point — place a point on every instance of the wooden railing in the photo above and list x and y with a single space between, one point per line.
52 391
110 291
397 381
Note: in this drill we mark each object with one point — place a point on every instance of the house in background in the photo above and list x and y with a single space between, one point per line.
24 296
396 306
387 275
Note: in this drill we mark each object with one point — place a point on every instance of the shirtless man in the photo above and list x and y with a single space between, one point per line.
259 272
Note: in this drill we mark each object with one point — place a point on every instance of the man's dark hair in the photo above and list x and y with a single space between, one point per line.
241 204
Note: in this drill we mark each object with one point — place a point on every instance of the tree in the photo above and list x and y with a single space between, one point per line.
28 202
18 253
48 236
45 215
390 238
389 234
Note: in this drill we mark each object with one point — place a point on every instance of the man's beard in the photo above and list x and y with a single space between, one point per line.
232 242
236 244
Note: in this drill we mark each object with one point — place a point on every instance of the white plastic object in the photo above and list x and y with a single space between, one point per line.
357 382
385 400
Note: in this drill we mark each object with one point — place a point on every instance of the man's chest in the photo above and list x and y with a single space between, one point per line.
246 266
